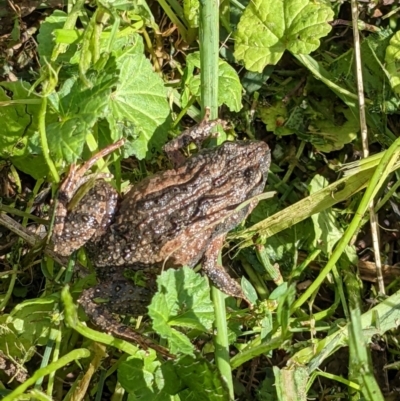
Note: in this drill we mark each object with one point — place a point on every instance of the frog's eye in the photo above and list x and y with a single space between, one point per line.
250 174
253 176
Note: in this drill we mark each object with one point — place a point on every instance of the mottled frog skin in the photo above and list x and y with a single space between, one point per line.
174 218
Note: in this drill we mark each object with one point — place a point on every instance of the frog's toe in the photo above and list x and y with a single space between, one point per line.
221 279
217 274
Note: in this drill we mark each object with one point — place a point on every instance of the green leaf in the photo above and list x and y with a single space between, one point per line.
33 319
229 87
191 12
203 380
327 232
183 300
193 378
269 27
266 324
80 108
312 123
253 81
144 377
274 116
125 91
19 139
11 344
279 292
392 59
267 390
328 136
249 290
141 99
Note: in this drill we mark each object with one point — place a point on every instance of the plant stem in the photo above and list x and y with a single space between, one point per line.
221 342
209 46
43 140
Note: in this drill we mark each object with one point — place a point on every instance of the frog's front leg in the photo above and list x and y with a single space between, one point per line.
93 213
89 218
196 134
217 274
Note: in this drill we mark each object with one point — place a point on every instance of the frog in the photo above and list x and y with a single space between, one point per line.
174 218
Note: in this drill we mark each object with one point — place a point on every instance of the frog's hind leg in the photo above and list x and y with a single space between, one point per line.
217 274
121 296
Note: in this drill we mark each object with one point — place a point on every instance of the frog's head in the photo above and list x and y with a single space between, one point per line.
246 164
259 155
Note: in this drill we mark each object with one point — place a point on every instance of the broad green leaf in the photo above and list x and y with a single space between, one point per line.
274 117
67 138
253 81
328 136
192 378
312 123
19 138
182 300
392 59
229 87
33 319
327 232
80 108
125 91
140 99
202 379
11 344
144 377
269 27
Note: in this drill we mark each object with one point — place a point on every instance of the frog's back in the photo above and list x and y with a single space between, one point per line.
174 214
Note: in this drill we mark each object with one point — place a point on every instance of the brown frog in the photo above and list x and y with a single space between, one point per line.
174 218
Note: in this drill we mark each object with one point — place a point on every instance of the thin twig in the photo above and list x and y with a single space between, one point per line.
364 139
30 238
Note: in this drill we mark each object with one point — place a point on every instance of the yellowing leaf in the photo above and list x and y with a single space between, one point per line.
392 59
269 27
274 117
